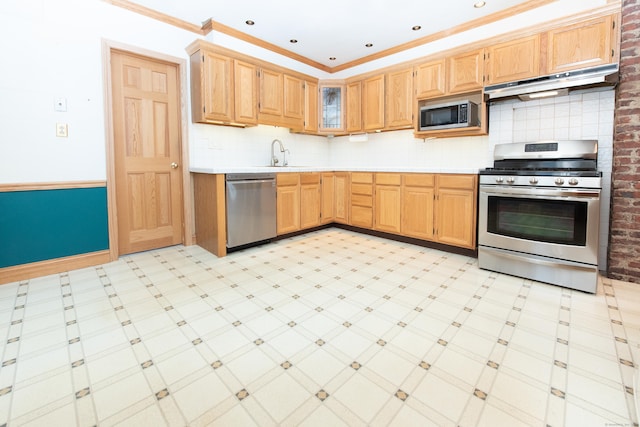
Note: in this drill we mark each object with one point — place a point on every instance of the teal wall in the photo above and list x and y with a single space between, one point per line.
46 224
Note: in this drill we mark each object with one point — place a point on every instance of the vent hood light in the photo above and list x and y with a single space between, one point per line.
606 75
545 94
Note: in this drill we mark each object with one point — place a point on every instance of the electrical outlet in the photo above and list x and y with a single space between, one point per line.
62 130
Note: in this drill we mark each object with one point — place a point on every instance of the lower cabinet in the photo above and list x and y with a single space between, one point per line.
342 193
310 200
287 203
436 207
328 195
456 210
388 203
362 199
417 200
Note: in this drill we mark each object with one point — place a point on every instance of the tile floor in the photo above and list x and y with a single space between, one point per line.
330 328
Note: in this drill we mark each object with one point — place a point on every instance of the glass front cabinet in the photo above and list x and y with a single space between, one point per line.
331 108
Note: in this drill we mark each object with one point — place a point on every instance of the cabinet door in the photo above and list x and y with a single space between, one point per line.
246 93
387 209
465 72
288 209
293 97
218 87
455 218
581 45
514 60
399 99
373 103
271 92
417 212
341 207
430 79
327 192
310 106
310 205
332 108
354 107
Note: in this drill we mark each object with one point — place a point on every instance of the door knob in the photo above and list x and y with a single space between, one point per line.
174 165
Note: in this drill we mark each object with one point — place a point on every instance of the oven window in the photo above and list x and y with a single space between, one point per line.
552 221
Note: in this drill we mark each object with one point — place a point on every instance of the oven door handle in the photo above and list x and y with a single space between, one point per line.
540 193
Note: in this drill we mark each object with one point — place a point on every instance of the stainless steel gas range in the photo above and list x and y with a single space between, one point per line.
539 212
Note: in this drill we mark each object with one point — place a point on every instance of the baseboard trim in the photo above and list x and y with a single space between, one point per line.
52 266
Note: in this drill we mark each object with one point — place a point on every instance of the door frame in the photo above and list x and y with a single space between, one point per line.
187 195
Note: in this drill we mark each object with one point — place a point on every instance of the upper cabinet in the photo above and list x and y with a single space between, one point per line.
223 89
281 100
582 45
430 79
310 107
354 106
465 71
373 103
514 60
331 108
399 99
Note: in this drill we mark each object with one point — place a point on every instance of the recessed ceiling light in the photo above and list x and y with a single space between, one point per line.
333 58
249 22
368 44
416 27
293 41
479 4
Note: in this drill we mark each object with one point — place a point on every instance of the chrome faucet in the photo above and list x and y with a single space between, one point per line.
274 158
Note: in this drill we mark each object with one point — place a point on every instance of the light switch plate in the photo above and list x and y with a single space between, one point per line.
62 130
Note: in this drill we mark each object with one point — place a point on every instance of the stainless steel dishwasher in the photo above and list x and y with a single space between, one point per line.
251 208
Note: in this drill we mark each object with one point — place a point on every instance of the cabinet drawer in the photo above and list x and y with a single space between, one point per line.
286 179
388 178
309 178
362 189
467 182
419 180
362 177
360 200
361 216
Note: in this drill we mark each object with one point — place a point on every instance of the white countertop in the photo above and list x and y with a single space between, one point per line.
257 169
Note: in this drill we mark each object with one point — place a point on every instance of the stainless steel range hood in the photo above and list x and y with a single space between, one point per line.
597 76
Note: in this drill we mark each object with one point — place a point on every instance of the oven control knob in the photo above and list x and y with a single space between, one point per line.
573 181
533 181
499 180
511 180
559 181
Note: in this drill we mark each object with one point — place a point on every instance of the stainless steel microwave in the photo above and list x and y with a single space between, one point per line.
458 114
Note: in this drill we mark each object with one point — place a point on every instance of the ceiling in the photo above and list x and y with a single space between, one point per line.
341 29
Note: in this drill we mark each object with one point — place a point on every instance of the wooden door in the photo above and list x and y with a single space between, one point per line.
418 205
582 45
399 99
514 60
456 210
373 103
387 208
287 203
270 92
148 177
310 201
218 87
246 92
327 190
430 79
354 107
465 71
293 106
310 106
342 192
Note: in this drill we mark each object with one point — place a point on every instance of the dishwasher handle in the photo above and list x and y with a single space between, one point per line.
252 181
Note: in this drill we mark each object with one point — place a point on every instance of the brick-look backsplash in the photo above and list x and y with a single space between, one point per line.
624 245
